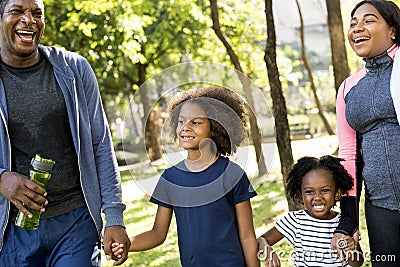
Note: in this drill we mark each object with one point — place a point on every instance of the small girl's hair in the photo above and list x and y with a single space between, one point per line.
225 110
304 165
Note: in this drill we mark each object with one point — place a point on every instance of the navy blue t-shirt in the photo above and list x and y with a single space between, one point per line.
204 206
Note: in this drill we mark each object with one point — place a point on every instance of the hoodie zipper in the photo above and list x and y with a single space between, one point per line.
79 160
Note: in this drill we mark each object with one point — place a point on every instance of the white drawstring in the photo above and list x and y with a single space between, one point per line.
395 84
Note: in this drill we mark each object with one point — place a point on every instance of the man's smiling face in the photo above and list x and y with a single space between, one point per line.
21 28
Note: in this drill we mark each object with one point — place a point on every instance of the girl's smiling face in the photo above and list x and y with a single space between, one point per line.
193 126
369 34
319 194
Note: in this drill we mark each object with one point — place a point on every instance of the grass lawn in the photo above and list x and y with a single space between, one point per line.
267 207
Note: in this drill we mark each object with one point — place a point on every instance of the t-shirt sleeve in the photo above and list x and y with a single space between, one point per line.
243 190
160 194
287 225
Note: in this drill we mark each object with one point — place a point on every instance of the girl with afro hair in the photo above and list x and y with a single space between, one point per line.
209 194
319 183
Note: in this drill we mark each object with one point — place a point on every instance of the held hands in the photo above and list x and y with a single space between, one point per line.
21 191
117 249
267 254
344 244
116 235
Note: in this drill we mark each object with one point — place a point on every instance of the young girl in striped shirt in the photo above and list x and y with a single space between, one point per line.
319 183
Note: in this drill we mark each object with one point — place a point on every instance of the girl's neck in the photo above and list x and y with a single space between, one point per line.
200 161
332 214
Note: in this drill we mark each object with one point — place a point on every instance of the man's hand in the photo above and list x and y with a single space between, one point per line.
21 191
116 234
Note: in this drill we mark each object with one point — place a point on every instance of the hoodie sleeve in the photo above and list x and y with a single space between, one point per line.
348 152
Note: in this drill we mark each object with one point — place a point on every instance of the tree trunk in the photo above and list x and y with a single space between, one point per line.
254 129
339 55
278 104
152 130
310 74
152 136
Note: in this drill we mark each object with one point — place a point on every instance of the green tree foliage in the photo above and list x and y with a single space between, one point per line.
90 28
126 42
116 36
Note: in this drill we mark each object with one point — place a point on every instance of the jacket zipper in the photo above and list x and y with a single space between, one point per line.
79 165
396 195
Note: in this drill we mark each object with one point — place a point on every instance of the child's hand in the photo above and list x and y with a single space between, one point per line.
344 244
117 249
267 254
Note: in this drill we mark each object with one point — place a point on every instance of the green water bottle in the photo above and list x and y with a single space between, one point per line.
39 173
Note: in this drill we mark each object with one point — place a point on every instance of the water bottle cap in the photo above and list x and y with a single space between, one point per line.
41 163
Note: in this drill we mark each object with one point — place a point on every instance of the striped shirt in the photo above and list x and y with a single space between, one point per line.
310 237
